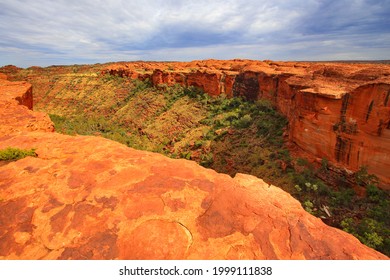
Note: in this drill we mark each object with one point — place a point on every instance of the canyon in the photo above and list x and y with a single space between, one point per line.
338 112
86 197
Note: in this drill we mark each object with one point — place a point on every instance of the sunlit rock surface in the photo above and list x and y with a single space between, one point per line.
336 111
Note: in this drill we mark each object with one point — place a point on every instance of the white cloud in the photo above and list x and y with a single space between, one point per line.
69 31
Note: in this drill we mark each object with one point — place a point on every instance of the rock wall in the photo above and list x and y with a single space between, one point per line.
114 202
16 118
336 111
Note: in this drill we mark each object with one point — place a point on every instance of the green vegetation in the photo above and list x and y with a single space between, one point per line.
229 135
367 218
97 126
364 179
10 154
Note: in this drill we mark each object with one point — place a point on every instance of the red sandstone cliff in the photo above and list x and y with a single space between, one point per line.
336 111
114 202
16 118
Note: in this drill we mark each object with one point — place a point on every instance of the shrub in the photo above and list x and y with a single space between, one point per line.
302 162
363 178
343 198
298 188
195 92
10 153
373 234
206 160
308 205
323 189
264 105
324 165
310 186
374 194
347 225
141 85
244 121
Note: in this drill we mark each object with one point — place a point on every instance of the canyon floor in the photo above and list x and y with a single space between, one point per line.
225 115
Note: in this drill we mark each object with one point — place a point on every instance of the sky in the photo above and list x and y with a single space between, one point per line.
62 32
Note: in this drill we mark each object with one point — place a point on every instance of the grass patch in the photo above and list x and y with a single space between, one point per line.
11 154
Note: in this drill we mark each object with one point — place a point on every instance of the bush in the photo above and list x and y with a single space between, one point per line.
195 92
374 194
347 225
324 165
302 162
10 153
264 105
141 85
363 178
206 160
323 189
370 232
309 206
343 198
244 121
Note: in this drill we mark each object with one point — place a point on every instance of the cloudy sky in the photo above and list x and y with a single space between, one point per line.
47 32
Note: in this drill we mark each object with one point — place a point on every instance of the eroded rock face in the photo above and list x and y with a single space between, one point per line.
16 118
336 111
87 197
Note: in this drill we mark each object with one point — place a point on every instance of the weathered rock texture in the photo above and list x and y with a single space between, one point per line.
86 197
336 111
16 118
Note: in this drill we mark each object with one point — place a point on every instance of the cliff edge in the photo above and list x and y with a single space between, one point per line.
87 197
339 112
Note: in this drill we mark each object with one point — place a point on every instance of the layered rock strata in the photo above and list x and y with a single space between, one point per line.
336 111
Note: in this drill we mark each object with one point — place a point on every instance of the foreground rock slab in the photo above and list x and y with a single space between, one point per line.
91 198
87 197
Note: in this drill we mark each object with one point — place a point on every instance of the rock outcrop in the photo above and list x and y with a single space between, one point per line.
87 197
336 111
16 118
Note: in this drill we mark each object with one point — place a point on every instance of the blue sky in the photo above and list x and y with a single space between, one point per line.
46 32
